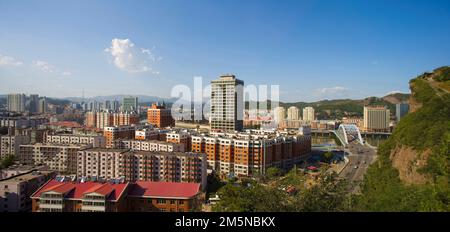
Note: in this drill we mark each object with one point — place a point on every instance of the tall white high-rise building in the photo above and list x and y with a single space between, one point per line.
279 114
293 113
308 114
16 102
227 103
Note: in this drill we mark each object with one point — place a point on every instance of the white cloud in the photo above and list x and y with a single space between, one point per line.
127 57
43 66
9 61
46 67
66 73
332 92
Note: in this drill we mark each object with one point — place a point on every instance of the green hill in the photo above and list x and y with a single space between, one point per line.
332 109
413 166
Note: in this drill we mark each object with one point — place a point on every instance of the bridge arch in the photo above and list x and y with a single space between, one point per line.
348 133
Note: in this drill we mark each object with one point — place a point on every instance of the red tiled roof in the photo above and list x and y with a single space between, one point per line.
164 189
76 190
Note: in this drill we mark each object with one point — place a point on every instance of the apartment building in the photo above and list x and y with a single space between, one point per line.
180 137
146 134
99 162
72 196
308 114
15 190
142 196
9 144
58 157
22 121
160 116
251 152
94 140
149 145
118 132
164 166
107 119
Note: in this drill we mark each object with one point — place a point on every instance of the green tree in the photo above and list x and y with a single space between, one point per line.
7 161
272 172
327 156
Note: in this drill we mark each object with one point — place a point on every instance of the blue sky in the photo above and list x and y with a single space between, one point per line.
312 49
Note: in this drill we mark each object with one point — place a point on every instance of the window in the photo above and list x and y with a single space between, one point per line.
160 201
172 202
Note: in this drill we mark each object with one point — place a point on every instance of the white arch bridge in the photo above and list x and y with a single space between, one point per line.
348 133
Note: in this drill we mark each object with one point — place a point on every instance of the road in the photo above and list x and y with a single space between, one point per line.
360 157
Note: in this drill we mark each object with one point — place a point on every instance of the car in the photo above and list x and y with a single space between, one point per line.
356 167
364 162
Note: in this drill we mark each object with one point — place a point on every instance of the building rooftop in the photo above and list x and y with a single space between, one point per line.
56 145
76 190
105 149
167 153
164 189
25 176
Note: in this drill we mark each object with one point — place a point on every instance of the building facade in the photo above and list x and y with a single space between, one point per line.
293 113
94 140
16 102
99 162
376 119
164 166
58 157
106 119
252 152
308 114
149 145
15 191
401 109
130 104
9 144
159 116
118 132
227 104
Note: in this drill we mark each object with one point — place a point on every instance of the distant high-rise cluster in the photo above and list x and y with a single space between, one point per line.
20 103
130 104
106 119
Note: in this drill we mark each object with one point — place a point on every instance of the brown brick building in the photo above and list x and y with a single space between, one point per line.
246 154
117 132
159 116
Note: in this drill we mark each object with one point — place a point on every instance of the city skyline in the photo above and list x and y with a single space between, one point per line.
331 51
